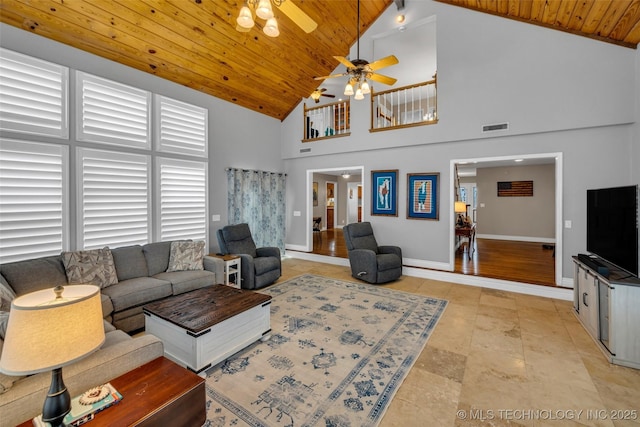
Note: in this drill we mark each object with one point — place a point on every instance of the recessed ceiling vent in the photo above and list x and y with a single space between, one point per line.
305 150
496 127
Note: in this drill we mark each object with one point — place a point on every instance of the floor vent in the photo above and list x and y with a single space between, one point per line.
493 128
305 150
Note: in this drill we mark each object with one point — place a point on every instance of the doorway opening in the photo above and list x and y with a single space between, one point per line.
491 240
336 198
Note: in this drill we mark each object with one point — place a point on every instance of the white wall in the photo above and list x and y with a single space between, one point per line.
559 92
238 137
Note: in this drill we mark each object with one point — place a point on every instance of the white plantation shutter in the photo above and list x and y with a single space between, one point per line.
33 200
182 204
182 128
33 95
113 198
112 113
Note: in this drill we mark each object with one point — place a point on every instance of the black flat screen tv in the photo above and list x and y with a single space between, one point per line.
612 226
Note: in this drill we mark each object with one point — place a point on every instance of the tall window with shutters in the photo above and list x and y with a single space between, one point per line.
33 95
113 198
111 180
33 199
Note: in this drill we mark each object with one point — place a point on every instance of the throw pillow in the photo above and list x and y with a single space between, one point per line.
94 266
6 296
186 255
4 320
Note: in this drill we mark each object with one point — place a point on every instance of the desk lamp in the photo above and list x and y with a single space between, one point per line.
460 208
48 330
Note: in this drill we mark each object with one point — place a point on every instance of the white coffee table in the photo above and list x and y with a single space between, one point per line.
204 327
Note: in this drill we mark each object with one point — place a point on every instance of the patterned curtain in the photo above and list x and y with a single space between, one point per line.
258 198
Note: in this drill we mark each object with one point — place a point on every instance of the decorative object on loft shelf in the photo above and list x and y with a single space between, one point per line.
422 195
35 343
384 192
264 10
359 70
515 189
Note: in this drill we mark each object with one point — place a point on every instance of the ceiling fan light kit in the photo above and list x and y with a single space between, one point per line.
264 10
359 70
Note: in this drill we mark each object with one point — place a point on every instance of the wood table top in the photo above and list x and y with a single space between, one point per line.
198 310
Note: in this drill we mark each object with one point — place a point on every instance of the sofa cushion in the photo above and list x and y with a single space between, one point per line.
185 281
93 266
157 256
34 274
130 262
6 381
138 291
186 255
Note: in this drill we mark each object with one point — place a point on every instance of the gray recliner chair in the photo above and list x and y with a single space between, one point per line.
370 262
259 266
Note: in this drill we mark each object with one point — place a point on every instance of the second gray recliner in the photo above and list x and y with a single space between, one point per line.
370 262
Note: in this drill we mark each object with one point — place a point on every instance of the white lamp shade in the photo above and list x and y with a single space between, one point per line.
365 88
44 333
245 20
359 94
348 89
271 28
264 10
460 207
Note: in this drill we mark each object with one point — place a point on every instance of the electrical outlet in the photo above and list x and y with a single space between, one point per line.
567 223
215 218
296 213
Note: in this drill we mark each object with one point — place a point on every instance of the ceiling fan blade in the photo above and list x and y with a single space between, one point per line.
330 77
328 95
344 61
296 14
384 62
382 79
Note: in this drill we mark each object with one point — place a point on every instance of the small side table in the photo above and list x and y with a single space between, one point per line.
232 265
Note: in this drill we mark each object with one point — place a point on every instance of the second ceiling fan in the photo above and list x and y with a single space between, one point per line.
360 70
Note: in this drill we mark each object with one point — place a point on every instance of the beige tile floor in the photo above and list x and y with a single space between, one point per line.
503 359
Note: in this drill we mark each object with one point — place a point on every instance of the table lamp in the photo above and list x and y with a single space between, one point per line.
460 208
49 329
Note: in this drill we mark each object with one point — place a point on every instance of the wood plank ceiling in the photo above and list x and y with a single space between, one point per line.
194 42
613 21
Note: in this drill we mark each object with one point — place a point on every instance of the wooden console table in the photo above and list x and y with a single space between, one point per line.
470 233
157 393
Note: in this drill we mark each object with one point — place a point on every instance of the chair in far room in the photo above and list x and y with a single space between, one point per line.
317 220
259 266
370 262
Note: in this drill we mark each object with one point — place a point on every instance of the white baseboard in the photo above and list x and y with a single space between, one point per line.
462 279
517 238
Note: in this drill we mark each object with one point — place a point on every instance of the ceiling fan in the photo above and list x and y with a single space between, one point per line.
316 94
264 11
359 70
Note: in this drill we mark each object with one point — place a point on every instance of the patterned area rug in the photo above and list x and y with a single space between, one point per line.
338 352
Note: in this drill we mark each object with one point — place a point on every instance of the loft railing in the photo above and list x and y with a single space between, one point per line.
414 105
327 121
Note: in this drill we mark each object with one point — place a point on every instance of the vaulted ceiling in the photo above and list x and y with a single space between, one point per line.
195 42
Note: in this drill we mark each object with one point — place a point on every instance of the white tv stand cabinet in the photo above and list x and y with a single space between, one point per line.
607 306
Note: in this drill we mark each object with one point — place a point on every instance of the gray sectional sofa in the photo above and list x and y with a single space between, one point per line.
141 279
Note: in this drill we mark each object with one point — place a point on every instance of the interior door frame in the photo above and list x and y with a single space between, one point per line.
558 201
309 216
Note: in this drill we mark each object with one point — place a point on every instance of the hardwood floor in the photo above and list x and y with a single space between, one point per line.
524 262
